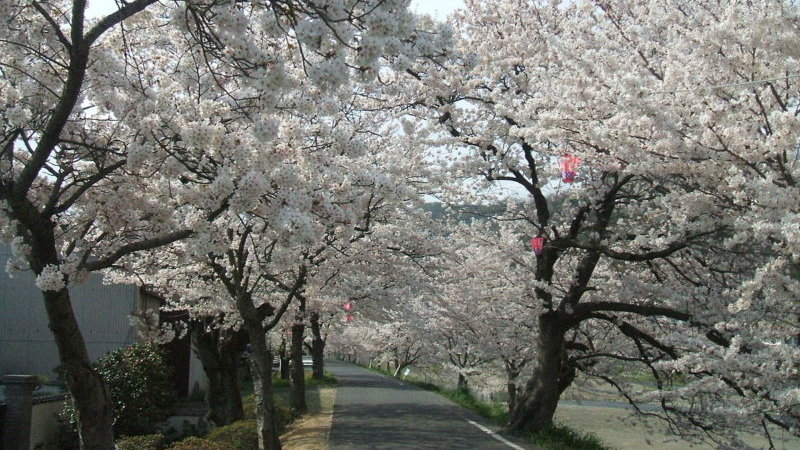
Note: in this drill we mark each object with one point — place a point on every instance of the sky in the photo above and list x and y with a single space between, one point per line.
438 9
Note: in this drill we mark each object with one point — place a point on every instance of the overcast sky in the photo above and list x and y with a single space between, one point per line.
438 9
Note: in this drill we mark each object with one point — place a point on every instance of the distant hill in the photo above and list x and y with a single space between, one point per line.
462 213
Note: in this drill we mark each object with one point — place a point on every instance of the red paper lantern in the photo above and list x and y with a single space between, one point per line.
346 306
569 167
537 244
349 318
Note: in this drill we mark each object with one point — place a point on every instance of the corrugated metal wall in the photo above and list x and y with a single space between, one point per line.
26 344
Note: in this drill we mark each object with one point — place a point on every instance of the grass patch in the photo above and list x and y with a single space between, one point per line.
327 380
562 437
494 412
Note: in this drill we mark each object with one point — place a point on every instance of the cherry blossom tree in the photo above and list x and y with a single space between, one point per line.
107 155
481 304
682 119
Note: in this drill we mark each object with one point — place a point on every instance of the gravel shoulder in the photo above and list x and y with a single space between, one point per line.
310 432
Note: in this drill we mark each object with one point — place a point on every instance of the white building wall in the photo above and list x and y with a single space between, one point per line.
26 343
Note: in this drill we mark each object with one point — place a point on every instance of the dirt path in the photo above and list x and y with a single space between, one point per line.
310 432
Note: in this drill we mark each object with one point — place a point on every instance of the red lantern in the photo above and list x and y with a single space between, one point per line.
349 318
346 306
569 167
537 244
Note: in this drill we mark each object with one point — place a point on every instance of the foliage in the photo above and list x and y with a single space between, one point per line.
240 435
196 443
135 130
142 393
677 247
66 433
561 437
143 442
187 429
284 414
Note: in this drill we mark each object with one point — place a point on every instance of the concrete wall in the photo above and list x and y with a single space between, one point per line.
44 422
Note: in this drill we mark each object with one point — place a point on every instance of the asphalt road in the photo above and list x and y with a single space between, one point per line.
373 411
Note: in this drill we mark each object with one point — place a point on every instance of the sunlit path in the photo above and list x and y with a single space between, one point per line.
374 411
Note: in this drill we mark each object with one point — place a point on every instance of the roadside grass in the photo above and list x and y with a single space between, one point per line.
557 437
327 380
246 385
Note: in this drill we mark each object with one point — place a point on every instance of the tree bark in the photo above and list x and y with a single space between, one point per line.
297 380
462 383
536 404
284 357
86 388
513 368
219 352
317 348
261 370
512 395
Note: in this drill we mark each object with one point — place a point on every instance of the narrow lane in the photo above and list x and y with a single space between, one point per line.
373 411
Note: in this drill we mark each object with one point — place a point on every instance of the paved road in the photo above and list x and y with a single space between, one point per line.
373 411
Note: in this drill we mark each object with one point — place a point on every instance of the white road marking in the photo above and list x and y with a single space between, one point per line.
496 436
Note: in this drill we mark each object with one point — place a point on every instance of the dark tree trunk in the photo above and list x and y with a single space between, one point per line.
512 395
86 388
317 348
297 380
462 383
219 352
261 370
283 355
536 404
513 368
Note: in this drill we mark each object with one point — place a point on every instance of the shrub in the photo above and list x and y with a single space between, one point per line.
186 429
142 394
284 414
241 435
144 442
196 443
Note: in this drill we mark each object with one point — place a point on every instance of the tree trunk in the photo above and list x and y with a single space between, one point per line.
86 388
283 355
513 368
297 380
462 383
536 404
512 395
317 349
219 352
261 370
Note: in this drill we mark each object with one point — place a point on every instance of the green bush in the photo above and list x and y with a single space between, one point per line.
144 442
196 443
142 393
241 435
186 429
284 413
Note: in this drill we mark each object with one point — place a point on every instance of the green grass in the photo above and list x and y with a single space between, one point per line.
327 380
562 437
557 437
